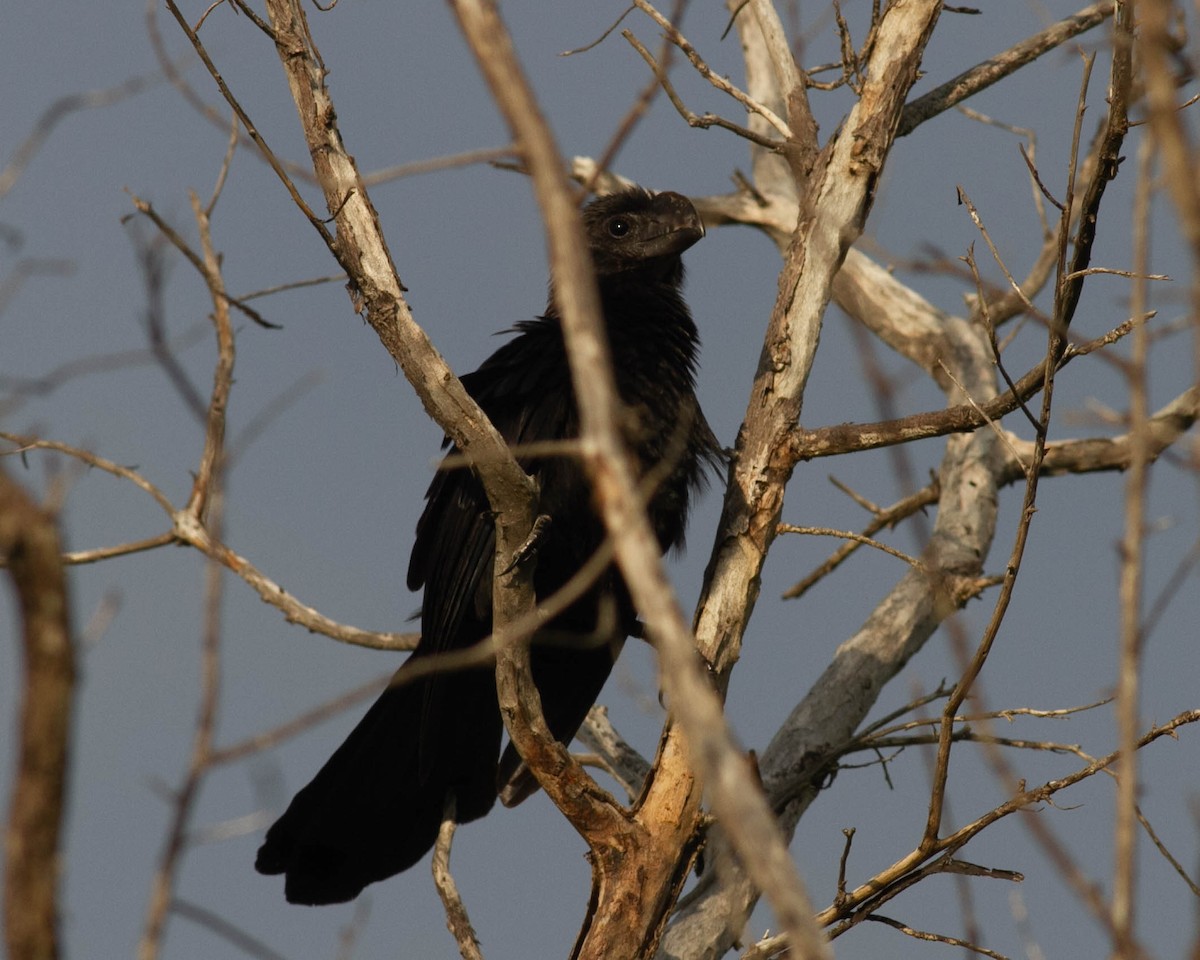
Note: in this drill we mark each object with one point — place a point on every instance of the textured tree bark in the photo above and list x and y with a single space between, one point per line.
30 548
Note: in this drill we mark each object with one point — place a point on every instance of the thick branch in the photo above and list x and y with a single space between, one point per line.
29 543
361 249
841 190
793 763
591 810
1093 454
983 75
836 196
617 930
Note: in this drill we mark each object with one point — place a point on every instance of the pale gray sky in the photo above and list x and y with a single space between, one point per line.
325 500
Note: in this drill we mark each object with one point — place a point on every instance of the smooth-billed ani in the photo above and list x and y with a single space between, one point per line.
375 807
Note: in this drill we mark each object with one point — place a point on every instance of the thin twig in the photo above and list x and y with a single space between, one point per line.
988 420
604 36
1020 801
20 387
264 150
707 73
206 500
978 221
887 517
171 70
1132 575
640 106
297 725
456 911
293 285
850 535
449 162
693 119
1167 855
24 443
232 934
177 241
95 555
997 67
226 164
58 111
935 937
986 318
965 417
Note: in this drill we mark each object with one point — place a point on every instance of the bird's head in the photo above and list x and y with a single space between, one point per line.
640 230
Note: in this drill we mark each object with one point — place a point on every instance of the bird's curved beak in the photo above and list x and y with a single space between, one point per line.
681 225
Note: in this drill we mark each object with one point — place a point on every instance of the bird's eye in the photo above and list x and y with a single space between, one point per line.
618 226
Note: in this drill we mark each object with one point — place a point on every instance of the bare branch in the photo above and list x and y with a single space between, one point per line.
640 105
848 438
264 150
625 764
590 809
935 937
1133 545
451 162
889 517
29 546
310 718
706 72
693 119
362 251
998 67
58 111
206 501
187 530
836 199
250 945
44 384
456 911
849 535
25 443
1023 799
194 258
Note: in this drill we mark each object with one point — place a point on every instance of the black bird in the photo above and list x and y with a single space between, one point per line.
375 807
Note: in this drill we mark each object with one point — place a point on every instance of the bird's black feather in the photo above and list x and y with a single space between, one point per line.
374 808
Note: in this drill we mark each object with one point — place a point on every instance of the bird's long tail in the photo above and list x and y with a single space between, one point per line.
375 807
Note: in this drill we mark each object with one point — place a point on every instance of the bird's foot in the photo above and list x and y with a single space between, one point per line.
529 548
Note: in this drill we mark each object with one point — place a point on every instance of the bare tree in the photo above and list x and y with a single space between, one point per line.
704 805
